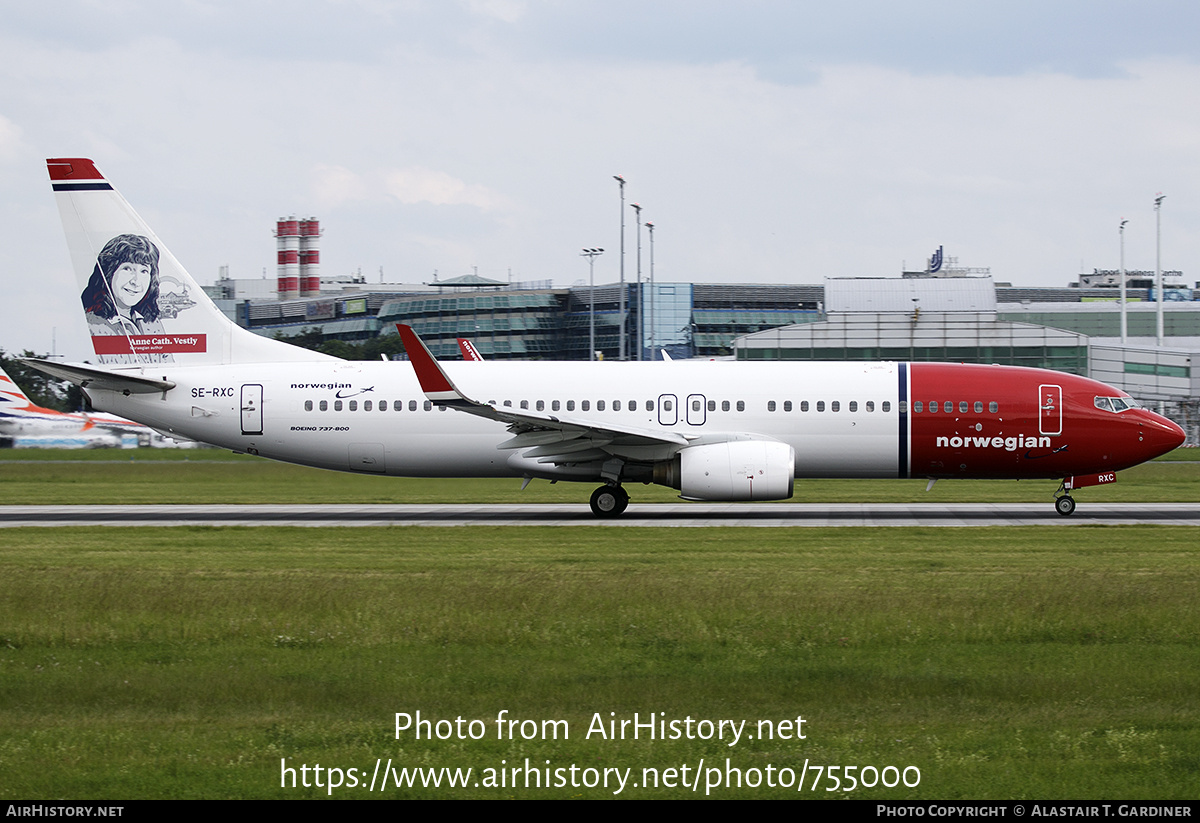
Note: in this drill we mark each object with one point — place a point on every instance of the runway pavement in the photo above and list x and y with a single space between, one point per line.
669 515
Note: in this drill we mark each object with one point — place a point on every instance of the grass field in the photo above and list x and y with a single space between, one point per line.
212 476
187 662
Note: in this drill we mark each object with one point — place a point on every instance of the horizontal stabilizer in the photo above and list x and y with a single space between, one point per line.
90 377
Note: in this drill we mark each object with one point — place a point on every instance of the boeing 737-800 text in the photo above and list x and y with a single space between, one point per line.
714 430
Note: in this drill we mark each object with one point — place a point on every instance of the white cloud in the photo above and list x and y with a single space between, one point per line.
420 185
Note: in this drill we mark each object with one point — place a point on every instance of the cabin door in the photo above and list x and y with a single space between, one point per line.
252 416
1050 409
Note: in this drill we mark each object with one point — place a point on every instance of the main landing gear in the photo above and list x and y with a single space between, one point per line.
609 501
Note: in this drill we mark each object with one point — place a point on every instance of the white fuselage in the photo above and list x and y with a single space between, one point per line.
374 417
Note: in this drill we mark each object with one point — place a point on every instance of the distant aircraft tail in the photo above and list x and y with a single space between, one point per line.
12 399
469 352
141 305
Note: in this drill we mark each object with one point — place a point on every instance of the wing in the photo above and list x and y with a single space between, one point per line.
549 438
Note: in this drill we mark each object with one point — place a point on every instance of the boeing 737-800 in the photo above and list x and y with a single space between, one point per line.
719 431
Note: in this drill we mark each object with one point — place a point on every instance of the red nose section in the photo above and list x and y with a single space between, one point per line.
1160 435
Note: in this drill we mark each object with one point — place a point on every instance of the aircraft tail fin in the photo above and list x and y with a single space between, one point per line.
141 305
12 399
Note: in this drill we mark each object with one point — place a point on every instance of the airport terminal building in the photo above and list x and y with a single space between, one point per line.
967 319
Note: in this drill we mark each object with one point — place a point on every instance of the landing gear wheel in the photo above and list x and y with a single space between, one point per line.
1065 505
609 501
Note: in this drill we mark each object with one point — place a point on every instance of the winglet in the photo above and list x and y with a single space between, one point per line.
436 384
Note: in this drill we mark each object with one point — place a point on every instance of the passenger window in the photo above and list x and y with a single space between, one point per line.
525 404
324 405
917 406
649 405
308 405
820 405
933 407
853 405
368 405
724 405
599 405
337 405
383 405
585 405
887 405
962 406
948 407
903 407
787 405
695 405
871 405
712 405
506 402
803 405
993 407
616 405
412 405
741 405
770 405
554 405
667 405
570 405
429 406
541 405
979 407
633 405
835 406
353 405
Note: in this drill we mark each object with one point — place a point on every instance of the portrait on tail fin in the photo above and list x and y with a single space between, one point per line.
123 300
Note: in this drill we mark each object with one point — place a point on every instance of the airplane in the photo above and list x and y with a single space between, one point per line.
33 425
469 352
716 431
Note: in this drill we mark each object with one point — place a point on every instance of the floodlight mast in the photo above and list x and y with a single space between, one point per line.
640 328
1158 277
591 255
621 313
650 227
1124 322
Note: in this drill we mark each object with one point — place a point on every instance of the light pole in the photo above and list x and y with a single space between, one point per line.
591 255
650 226
621 180
1158 279
640 330
1124 323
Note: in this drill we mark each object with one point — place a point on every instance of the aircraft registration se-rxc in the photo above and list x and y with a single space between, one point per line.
719 431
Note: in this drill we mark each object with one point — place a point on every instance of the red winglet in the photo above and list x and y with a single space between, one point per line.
433 380
73 168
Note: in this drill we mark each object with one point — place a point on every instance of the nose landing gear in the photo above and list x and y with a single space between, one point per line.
1064 505
609 501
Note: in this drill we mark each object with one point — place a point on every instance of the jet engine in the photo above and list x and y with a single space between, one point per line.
733 470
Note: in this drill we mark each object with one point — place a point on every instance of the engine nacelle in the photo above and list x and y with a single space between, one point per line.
737 470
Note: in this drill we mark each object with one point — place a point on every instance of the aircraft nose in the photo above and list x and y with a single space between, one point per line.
1159 435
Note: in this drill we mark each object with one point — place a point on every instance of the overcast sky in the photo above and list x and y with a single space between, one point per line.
768 141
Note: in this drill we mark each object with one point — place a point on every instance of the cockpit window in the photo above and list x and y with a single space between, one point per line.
1115 404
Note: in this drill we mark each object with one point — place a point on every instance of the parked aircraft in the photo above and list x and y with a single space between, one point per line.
714 430
469 352
32 425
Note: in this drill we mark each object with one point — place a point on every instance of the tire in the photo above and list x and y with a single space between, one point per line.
609 501
1065 505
